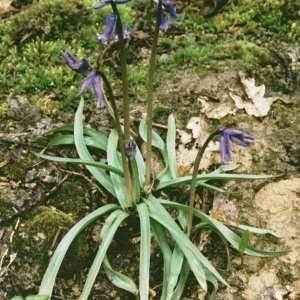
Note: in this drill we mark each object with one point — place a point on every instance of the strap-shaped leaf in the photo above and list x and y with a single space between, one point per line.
84 154
157 141
228 234
171 147
136 181
176 266
118 279
141 167
257 230
196 260
165 174
225 242
160 236
184 273
86 131
211 176
81 162
69 140
114 159
145 246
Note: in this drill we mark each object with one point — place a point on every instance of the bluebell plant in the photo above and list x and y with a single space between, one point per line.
127 177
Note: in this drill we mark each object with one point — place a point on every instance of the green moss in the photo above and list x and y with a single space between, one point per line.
249 17
70 198
31 40
5 205
38 233
16 169
3 108
251 54
30 43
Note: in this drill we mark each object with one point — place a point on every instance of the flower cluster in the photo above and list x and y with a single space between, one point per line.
92 80
238 137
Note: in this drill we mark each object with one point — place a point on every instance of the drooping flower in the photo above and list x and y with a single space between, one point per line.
93 81
106 2
71 60
109 29
109 32
130 147
126 34
164 23
171 10
238 137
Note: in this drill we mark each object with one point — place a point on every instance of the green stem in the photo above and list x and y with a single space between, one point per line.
194 179
127 177
150 97
124 73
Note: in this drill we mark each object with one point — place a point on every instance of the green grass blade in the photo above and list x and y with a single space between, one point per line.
84 154
114 159
171 147
81 162
56 260
118 279
244 241
145 248
107 234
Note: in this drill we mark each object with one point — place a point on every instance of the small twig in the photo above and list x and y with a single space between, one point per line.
12 256
59 229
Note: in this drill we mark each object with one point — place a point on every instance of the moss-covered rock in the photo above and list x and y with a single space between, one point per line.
40 235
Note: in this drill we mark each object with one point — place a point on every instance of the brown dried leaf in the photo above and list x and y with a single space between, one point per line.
260 105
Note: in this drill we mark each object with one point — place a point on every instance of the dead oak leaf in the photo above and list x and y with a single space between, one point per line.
260 105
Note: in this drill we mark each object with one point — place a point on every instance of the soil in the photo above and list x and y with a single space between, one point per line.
42 200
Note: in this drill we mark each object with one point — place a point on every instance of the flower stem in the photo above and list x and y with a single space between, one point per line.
124 72
194 179
127 177
150 97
